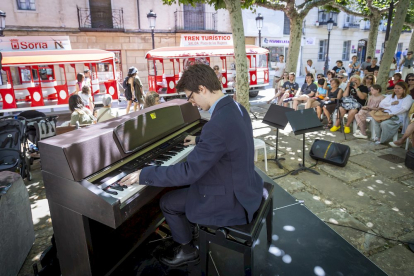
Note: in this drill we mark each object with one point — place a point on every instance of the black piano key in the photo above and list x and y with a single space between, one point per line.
109 192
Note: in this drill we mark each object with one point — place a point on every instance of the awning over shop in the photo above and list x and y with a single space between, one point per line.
204 51
56 57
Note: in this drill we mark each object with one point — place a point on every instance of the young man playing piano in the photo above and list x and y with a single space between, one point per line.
224 189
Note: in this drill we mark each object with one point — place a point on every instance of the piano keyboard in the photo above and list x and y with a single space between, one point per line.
123 193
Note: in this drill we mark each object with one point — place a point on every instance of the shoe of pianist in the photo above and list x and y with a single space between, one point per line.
180 254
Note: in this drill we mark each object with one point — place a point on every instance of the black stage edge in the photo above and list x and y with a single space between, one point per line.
276 117
304 121
302 245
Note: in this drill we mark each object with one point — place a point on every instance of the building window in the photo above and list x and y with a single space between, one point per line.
26 5
346 49
322 49
324 16
286 25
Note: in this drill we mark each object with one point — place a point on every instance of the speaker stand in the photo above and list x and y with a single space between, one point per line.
302 166
277 160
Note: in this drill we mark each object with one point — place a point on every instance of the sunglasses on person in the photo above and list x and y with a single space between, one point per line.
410 79
369 78
340 78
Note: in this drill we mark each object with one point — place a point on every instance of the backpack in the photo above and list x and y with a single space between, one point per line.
125 83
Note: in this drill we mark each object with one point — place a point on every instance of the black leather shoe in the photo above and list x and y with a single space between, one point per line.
177 256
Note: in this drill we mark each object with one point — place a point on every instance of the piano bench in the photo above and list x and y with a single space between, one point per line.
239 238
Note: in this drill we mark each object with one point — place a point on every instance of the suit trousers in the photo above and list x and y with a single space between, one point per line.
172 205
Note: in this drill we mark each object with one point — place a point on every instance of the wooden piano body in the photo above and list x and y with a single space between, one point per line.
95 231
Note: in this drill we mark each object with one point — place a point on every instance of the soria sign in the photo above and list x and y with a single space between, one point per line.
34 43
206 40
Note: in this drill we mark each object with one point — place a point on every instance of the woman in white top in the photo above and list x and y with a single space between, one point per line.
396 105
87 97
106 113
393 66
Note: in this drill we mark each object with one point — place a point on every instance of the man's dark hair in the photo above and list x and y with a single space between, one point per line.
369 57
309 75
340 61
75 102
281 56
198 74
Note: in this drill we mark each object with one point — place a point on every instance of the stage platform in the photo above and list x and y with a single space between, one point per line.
302 245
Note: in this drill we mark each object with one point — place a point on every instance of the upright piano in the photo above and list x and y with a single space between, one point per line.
97 223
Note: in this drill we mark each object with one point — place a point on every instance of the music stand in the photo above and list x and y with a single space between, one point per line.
276 117
304 121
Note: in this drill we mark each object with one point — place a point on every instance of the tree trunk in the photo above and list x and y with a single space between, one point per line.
391 45
411 45
373 35
236 21
295 40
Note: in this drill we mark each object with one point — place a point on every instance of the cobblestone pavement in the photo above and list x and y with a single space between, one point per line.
370 194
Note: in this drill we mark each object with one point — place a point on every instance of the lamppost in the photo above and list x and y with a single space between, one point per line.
259 24
2 22
330 26
151 18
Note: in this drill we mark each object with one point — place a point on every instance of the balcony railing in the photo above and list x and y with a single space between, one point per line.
101 19
195 21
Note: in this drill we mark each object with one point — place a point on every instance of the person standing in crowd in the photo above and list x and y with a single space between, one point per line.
361 117
358 94
407 62
88 81
152 98
290 88
133 91
106 113
80 114
397 106
308 90
87 98
405 52
219 75
80 82
410 81
279 89
398 57
279 70
392 82
353 66
222 186
309 69
339 66
373 67
393 67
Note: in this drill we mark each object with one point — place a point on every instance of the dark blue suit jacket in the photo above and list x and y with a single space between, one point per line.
224 188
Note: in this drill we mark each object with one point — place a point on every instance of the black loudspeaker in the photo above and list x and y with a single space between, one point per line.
409 159
329 152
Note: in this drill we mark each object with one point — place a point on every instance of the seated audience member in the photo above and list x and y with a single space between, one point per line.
80 114
343 81
308 90
329 104
393 67
369 80
410 81
354 97
354 66
408 132
152 98
279 89
319 96
219 75
87 98
339 66
392 82
290 88
106 113
361 117
397 106
373 67
330 75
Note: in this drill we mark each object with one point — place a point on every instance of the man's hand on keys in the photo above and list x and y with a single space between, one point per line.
131 178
